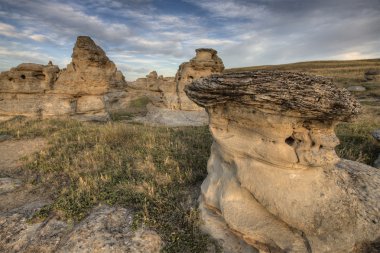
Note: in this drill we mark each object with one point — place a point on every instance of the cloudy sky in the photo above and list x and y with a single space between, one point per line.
144 35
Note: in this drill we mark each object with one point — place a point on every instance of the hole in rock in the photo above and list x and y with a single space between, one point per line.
290 141
22 76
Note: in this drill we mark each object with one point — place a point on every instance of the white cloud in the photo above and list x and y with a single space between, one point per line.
232 8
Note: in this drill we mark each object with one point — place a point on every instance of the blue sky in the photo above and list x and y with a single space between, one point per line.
144 35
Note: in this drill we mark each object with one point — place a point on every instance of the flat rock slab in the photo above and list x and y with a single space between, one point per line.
106 229
173 118
356 88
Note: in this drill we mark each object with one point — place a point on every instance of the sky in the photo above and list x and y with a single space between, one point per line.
145 35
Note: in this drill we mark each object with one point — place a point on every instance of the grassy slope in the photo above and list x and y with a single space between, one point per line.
157 171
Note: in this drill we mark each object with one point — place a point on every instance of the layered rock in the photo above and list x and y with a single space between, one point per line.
78 91
151 86
275 183
205 63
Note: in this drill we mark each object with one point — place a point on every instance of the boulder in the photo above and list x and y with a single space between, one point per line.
356 88
275 183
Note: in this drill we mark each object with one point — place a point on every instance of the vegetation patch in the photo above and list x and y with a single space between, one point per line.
156 171
136 107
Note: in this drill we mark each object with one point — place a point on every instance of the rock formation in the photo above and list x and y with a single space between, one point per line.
275 183
152 86
205 63
78 91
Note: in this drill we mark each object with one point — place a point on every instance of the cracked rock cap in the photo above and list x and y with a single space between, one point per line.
276 92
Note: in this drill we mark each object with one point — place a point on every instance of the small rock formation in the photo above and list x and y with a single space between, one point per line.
205 63
77 91
372 75
356 88
275 183
151 86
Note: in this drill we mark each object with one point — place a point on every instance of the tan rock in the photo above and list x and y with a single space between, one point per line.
273 176
36 105
90 72
152 86
205 63
28 78
80 91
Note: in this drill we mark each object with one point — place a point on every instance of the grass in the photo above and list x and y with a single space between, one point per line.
156 171
136 107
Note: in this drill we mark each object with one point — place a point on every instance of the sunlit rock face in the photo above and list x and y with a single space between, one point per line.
46 91
275 183
205 63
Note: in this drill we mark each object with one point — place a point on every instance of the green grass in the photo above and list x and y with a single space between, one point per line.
155 171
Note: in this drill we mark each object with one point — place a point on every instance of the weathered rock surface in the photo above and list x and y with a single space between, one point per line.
205 63
158 116
90 72
79 90
152 86
274 179
106 229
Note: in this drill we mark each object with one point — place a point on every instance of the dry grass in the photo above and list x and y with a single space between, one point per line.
156 171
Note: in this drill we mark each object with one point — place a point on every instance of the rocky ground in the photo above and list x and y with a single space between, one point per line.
157 116
106 229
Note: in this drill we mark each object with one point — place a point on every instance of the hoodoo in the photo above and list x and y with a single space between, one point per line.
205 63
275 183
79 91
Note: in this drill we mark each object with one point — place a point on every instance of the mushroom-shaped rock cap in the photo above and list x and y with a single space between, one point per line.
276 92
211 50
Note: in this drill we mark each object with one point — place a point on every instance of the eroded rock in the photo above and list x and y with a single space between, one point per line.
80 90
106 229
205 63
274 178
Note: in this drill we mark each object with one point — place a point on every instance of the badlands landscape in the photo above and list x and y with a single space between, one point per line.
280 158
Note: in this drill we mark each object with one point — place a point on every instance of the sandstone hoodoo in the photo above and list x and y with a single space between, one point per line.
78 91
275 183
205 63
